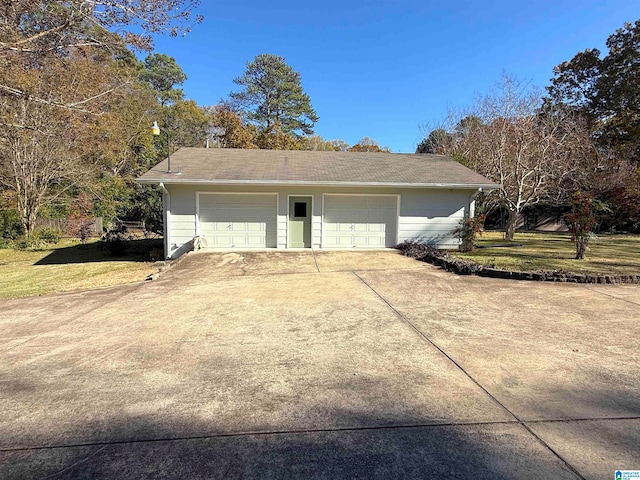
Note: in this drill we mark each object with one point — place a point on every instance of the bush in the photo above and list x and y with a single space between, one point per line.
49 235
79 223
116 239
419 251
31 242
156 254
430 254
470 228
10 225
581 221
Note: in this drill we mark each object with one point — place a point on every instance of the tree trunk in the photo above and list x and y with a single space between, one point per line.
511 225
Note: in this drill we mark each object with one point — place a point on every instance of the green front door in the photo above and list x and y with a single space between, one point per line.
299 222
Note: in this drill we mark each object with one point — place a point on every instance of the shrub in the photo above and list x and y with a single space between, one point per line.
116 239
581 222
156 254
79 222
10 224
468 231
29 242
49 235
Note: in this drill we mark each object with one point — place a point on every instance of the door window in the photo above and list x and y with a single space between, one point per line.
300 209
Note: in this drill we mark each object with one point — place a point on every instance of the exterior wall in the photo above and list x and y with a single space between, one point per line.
433 215
428 214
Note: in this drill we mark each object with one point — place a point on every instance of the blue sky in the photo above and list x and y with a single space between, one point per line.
384 68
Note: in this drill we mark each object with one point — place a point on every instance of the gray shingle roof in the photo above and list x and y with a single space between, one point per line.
299 167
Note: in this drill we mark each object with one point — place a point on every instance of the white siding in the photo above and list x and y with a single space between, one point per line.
429 214
433 215
182 218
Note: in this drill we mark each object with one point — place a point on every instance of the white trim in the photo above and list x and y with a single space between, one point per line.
199 192
197 215
289 195
166 217
292 183
363 195
167 237
398 219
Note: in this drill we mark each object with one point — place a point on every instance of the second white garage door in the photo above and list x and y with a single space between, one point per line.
238 220
359 221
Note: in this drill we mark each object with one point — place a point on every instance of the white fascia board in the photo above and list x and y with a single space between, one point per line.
291 183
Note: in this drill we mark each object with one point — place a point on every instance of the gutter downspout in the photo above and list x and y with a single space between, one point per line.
166 202
472 203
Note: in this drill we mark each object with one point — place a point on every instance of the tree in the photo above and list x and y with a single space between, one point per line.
228 129
437 139
41 145
33 30
40 27
275 138
272 95
163 73
605 90
63 66
533 155
316 142
188 123
340 145
367 144
581 221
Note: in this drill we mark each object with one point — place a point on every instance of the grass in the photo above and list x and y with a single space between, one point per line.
608 254
66 266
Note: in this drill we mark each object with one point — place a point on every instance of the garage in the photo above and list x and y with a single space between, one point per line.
237 220
359 221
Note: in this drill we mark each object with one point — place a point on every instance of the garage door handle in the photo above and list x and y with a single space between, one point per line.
229 227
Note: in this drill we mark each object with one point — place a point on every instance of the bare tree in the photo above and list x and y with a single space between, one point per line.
38 160
41 145
534 155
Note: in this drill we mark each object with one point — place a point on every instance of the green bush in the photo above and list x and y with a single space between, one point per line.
10 224
32 242
50 235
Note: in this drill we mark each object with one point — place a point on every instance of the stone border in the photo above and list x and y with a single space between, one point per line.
435 257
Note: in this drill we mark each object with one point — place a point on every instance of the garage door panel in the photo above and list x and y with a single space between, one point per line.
255 227
359 221
229 220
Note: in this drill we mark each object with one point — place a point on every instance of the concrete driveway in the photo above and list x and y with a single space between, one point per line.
333 365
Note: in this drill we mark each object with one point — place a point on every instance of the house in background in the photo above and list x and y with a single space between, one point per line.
232 198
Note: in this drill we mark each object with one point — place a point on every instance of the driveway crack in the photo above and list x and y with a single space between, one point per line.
424 337
313 252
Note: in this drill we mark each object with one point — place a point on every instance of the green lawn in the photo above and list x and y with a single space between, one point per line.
608 254
66 266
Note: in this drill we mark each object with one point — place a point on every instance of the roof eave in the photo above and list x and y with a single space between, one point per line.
264 183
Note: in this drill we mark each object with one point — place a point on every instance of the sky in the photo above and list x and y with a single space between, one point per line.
388 69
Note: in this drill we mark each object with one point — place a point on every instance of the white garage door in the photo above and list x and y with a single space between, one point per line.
359 221
239 220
